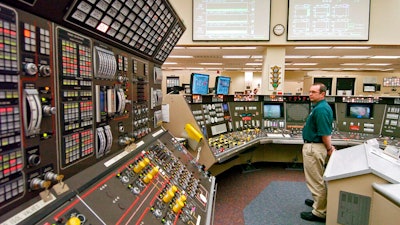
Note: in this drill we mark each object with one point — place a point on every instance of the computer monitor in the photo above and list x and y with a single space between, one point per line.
222 85
199 83
359 110
273 111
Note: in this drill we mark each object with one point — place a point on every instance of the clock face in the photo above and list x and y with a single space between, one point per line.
279 29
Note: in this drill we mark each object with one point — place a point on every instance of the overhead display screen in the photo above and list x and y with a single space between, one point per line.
328 20
231 20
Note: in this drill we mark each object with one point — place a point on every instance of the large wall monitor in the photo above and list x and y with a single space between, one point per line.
231 20
328 20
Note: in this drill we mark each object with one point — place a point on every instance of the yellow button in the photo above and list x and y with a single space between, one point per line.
73 221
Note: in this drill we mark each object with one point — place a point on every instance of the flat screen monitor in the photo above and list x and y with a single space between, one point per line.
222 85
226 20
359 110
273 111
199 83
328 20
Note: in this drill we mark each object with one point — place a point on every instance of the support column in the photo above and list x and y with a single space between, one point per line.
274 60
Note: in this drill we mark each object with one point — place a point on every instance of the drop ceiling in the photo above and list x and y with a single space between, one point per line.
298 58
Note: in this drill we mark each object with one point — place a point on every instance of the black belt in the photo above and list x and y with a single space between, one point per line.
305 141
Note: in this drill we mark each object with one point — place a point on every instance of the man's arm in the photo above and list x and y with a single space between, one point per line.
328 144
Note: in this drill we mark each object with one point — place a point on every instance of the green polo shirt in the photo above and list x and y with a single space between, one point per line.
319 122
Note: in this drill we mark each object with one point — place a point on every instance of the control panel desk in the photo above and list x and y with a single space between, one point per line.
350 174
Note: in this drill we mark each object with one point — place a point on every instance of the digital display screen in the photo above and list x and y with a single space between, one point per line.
199 83
247 20
273 111
359 111
222 85
102 102
225 107
328 20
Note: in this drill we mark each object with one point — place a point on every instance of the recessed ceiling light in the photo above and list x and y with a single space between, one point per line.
352 64
313 47
212 68
257 56
174 68
232 68
331 68
211 64
304 64
170 63
235 56
355 57
203 48
385 57
240 48
296 56
253 68
292 68
194 68
378 64
350 69
253 64
352 47
324 56
180 56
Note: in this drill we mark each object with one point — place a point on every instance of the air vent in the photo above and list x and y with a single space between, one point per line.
207 57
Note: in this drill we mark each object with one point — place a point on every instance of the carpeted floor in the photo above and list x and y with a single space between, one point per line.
272 194
279 203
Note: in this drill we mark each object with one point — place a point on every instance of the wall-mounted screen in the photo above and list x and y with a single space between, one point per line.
222 85
359 110
273 111
328 20
231 20
199 83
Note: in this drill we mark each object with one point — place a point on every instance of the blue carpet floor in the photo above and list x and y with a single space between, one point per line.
280 203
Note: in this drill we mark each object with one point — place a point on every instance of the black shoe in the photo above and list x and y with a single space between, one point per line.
309 202
311 217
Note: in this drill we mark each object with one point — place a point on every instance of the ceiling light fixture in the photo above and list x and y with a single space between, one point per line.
181 56
239 48
235 56
313 47
324 56
351 47
385 57
211 64
203 48
296 56
304 64
355 57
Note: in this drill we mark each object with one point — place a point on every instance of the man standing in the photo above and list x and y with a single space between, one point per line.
316 149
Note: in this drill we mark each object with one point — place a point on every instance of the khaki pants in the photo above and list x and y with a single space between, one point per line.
314 160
